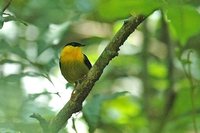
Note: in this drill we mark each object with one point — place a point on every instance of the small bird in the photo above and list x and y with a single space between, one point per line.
74 65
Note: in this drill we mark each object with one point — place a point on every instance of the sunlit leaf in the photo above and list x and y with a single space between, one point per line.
184 21
116 9
157 70
91 110
120 110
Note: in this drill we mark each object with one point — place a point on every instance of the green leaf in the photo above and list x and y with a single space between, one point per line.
4 47
18 51
184 21
110 10
120 110
157 69
91 111
4 61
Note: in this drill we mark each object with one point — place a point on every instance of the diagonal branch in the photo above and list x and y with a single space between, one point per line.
82 90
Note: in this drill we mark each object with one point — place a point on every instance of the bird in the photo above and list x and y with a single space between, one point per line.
74 64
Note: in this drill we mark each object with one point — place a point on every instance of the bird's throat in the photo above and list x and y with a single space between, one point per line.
70 53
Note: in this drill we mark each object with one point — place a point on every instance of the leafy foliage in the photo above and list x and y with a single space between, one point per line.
152 64
92 109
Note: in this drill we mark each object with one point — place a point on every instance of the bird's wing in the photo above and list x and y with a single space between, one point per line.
59 63
87 62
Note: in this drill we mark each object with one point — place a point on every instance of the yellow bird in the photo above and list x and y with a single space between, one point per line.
74 65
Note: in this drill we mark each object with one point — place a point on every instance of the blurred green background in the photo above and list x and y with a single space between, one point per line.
153 86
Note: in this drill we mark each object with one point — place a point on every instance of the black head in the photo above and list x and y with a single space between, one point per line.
75 44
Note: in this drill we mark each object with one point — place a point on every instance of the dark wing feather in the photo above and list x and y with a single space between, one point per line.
87 62
59 64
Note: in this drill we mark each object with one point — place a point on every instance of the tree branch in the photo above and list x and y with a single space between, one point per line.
83 89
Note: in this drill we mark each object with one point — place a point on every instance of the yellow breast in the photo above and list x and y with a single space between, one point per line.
70 53
72 64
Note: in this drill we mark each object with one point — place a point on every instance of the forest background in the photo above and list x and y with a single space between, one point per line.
152 86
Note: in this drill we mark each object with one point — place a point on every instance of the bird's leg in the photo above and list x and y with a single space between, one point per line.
78 82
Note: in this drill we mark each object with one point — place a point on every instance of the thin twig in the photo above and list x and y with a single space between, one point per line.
6 6
36 95
145 75
43 122
170 91
189 76
74 125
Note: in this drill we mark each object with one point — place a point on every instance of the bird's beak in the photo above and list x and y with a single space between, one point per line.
82 45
